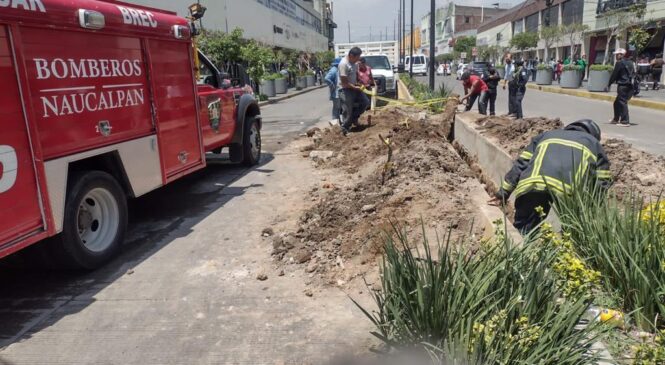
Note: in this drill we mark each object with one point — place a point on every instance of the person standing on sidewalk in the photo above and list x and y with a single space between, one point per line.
508 77
475 88
331 80
623 74
657 70
492 80
350 90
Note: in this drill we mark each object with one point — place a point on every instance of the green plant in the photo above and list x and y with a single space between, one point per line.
550 35
572 67
222 47
639 38
607 68
524 40
273 76
422 94
624 244
574 33
498 305
544 66
651 351
617 21
257 58
465 44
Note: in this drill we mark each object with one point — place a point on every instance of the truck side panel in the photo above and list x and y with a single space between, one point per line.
20 211
176 112
87 90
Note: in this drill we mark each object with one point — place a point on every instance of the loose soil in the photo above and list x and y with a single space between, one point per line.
340 237
632 169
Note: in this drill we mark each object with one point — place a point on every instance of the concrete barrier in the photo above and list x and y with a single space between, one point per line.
403 93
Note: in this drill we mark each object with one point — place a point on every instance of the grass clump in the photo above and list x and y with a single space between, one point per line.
498 305
422 94
624 242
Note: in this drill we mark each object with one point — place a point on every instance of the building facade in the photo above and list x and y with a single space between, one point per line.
295 24
417 42
454 21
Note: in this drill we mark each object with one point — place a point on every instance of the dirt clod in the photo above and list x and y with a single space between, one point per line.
267 232
262 277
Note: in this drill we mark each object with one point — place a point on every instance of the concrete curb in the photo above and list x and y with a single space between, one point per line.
597 96
403 93
289 96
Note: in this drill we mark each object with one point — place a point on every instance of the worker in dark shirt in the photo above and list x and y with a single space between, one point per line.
492 78
624 71
552 165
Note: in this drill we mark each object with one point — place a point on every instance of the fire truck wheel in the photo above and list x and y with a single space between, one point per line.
251 143
95 220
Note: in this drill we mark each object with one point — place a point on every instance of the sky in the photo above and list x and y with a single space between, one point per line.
382 14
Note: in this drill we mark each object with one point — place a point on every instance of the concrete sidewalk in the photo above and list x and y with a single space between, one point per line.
292 92
652 99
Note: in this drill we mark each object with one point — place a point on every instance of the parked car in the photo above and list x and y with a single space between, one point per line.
479 67
460 70
443 69
419 64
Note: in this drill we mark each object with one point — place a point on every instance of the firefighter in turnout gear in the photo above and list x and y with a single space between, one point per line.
550 165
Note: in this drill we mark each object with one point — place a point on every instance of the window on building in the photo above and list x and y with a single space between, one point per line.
531 23
467 19
551 15
571 11
518 26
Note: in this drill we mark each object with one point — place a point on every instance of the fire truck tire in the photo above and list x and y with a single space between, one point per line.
251 143
95 221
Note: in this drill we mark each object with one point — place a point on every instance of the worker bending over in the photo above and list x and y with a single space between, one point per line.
552 164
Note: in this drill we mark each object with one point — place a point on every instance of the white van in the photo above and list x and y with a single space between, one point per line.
419 64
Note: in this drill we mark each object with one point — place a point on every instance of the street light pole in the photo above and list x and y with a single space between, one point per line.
403 29
411 45
432 39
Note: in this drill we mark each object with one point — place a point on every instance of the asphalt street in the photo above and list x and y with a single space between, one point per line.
185 289
647 132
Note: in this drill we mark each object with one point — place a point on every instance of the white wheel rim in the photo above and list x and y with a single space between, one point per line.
255 141
98 219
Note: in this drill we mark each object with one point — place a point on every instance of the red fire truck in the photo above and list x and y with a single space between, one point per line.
102 102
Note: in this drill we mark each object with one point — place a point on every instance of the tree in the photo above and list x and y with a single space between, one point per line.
618 21
574 33
223 48
465 44
257 58
549 36
524 40
639 38
324 59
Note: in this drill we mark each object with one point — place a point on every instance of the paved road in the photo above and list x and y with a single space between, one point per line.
184 290
648 133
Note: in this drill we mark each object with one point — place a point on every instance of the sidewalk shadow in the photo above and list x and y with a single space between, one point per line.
33 298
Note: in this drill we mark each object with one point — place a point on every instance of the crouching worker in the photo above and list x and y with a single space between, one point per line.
553 163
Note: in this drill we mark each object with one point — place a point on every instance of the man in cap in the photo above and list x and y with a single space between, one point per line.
623 74
555 162
331 80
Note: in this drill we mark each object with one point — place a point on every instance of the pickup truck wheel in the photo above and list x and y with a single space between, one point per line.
251 143
95 221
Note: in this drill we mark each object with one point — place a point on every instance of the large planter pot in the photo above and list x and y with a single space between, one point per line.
311 80
301 82
598 80
281 86
570 79
544 77
268 88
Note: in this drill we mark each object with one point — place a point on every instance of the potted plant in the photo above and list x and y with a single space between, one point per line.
599 77
571 76
301 81
311 79
268 86
543 74
281 84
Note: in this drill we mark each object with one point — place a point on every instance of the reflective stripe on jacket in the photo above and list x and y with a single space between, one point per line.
554 161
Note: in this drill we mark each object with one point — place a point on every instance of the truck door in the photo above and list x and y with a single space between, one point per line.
175 104
20 211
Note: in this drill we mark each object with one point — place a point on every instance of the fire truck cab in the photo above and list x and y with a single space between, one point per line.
101 102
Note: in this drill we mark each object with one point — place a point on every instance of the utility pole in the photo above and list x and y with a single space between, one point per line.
370 33
380 35
403 29
399 34
386 33
411 45
349 24
432 71
394 30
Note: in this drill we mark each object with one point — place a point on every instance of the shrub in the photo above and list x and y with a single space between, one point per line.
543 66
274 76
499 305
607 68
572 67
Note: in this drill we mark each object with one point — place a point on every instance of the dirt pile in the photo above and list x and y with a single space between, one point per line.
339 237
631 168
515 135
